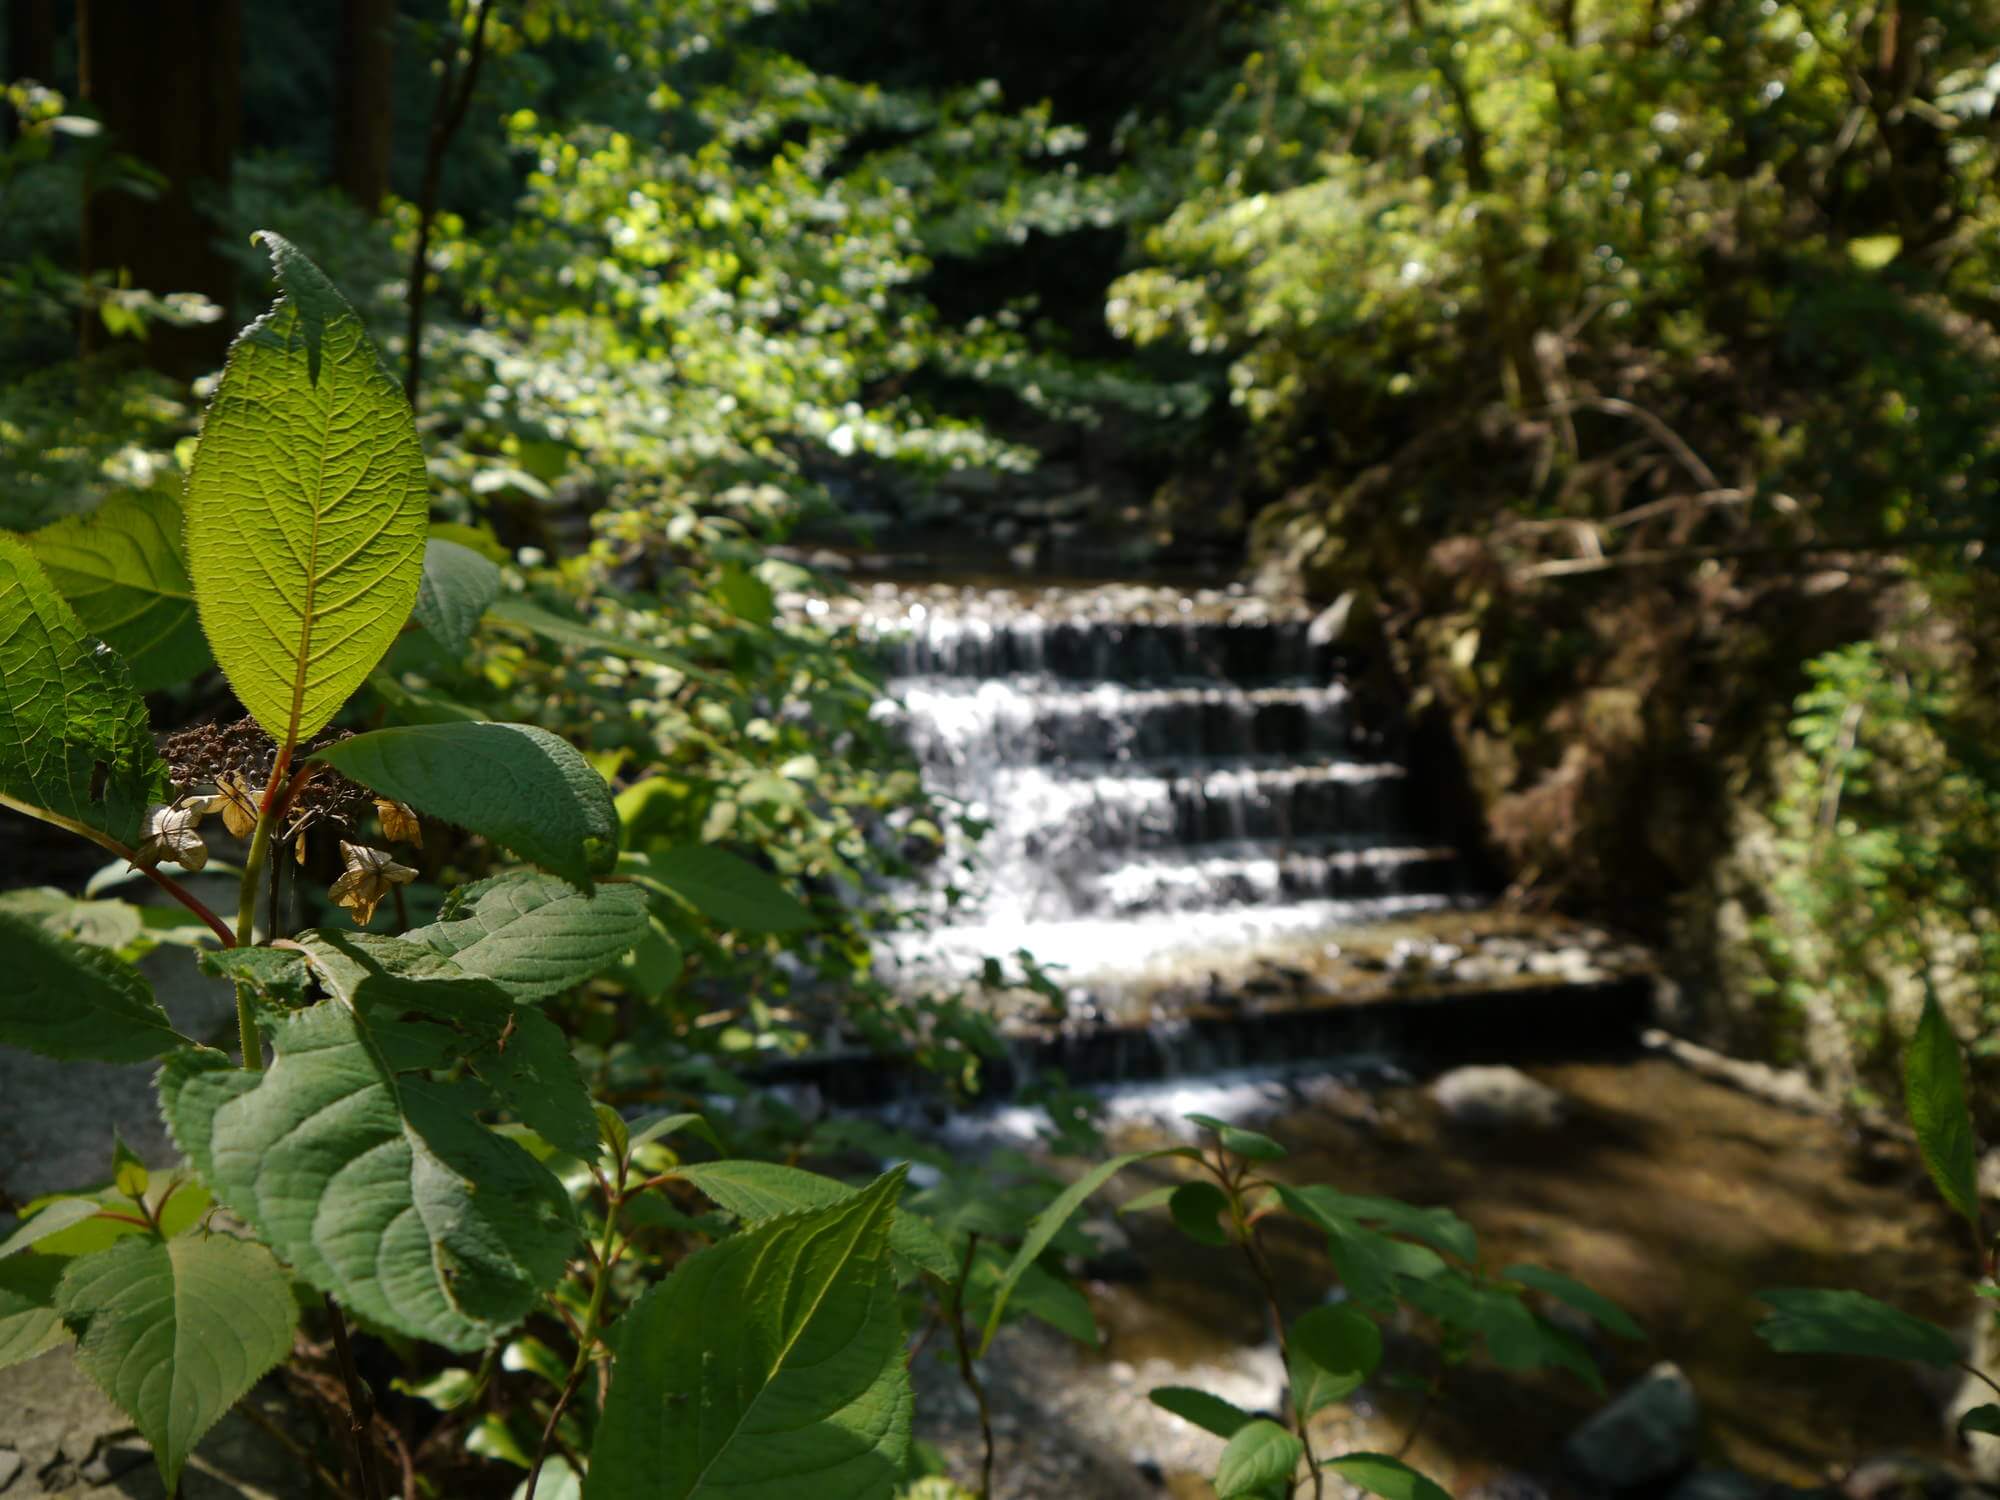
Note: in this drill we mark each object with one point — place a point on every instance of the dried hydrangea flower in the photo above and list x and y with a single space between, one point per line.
237 801
371 874
170 834
399 823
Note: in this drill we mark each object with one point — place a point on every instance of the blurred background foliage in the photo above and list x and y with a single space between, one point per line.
1628 367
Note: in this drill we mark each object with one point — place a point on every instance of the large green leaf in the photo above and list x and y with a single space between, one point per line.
1391 1478
29 1323
306 507
1199 1407
1043 1228
122 571
730 892
1439 1228
458 586
1259 1459
1934 1088
534 935
69 1000
758 1190
512 783
74 738
374 1184
176 1331
1333 1349
765 1368
1810 1320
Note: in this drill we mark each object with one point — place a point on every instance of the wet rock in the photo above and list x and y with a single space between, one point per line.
1497 1099
1643 1437
115 1459
11 1464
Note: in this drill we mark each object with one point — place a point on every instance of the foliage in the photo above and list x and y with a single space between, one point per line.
1887 821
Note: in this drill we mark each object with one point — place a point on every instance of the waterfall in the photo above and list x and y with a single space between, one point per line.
1169 778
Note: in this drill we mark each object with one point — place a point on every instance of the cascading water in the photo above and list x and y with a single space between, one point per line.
1167 776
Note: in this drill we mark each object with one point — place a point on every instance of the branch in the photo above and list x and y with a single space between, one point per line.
1669 556
125 852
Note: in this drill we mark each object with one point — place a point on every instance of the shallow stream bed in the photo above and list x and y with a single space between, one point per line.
1677 1197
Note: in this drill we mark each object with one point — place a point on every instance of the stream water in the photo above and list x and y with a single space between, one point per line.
1202 815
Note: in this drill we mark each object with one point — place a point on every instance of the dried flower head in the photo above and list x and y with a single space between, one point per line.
237 801
399 822
370 875
170 834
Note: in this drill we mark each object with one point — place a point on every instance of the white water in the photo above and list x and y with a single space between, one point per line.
1167 778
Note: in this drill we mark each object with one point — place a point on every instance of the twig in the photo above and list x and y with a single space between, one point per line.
965 1370
1667 438
454 96
360 1406
586 1338
1669 556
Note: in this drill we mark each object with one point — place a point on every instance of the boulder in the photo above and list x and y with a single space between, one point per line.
1643 1438
1497 1099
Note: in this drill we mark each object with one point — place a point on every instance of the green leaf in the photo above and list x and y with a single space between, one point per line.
1808 1320
1439 1228
746 596
730 892
1043 1228
535 935
374 1184
176 1331
1039 1294
53 1218
1934 1088
1234 1138
306 507
1607 1314
1261 1456
29 1322
458 587
1152 1198
278 975
1196 1208
68 1000
122 571
769 1365
101 924
1367 1263
75 741
532 618
1391 1478
758 1190
645 1132
1981 1419
512 783
1333 1349
1211 1413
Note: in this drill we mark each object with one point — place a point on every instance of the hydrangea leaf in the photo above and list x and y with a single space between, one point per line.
759 1190
306 507
512 783
122 570
535 935
374 1183
69 1000
75 743
766 1363
176 1331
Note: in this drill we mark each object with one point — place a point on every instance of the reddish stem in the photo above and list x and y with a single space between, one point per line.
193 903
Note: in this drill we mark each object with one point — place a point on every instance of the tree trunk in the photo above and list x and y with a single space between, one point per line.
163 76
364 100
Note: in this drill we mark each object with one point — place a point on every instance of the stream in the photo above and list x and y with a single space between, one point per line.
1203 820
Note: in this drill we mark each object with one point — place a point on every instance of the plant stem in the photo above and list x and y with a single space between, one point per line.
125 852
965 1370
586 1338
1246 1234
360 1407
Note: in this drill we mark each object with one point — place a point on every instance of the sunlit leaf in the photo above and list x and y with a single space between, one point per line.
306 507
122 571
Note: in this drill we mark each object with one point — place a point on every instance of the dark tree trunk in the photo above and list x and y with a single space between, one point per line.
364 100
163 76
31 49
